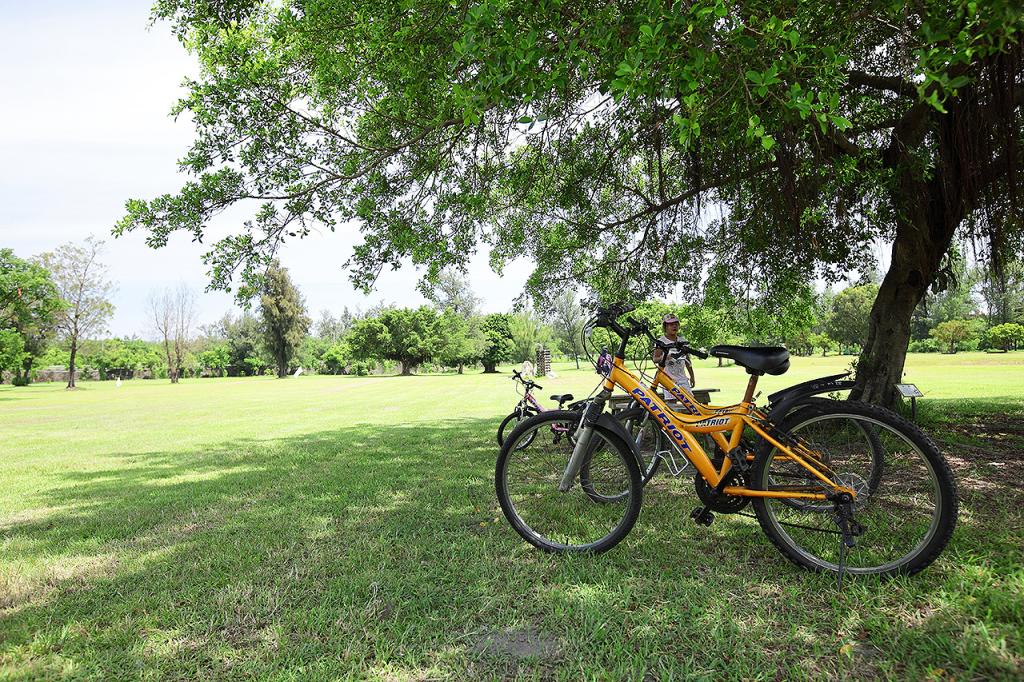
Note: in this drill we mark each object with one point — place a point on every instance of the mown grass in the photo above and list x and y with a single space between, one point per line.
327 527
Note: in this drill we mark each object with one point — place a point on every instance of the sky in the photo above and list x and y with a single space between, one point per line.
85 125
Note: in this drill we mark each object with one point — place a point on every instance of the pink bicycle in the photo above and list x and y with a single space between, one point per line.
529 406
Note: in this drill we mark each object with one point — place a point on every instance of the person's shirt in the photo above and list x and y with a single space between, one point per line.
675 366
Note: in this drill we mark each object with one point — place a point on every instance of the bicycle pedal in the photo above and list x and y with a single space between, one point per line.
702 516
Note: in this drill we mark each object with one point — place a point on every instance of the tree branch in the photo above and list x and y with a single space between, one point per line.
691 193
893 84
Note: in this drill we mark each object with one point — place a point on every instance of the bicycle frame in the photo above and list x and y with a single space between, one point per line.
529 400
724 424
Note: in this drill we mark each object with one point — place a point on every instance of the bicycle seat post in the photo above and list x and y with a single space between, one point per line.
748 397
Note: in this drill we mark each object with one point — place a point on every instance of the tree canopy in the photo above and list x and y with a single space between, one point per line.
497 341
30 307
81 281
285 321
850 316
405 335
594 136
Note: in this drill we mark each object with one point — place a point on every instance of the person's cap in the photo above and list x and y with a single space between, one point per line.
668 319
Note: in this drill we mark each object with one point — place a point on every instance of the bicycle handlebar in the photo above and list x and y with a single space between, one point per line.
530 384
607 317
681 346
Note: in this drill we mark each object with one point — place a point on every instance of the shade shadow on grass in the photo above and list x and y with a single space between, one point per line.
379 552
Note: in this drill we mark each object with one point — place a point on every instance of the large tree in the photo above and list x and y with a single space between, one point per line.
529 333
12 351
1002 291
30 306
459 339
173 316
81 281
592 136
453 291
285 322
453 295
952 333
566 316
497 341
244 338
849 321
405 335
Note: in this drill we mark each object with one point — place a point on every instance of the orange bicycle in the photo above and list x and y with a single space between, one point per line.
846 487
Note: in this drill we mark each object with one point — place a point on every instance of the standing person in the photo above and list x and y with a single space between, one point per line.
677 366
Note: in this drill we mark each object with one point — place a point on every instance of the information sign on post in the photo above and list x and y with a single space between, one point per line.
913 392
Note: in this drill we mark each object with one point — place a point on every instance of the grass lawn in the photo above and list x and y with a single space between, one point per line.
326 527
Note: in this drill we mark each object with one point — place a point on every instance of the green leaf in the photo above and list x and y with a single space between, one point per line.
841 123
647 31
768 142
958 82
754 77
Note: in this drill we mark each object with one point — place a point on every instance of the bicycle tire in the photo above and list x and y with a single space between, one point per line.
575 497
513 418
904 434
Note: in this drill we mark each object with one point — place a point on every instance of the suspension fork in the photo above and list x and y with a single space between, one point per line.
584 433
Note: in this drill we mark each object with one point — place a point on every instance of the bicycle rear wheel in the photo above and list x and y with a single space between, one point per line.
871 463
528 472
907 508
648 439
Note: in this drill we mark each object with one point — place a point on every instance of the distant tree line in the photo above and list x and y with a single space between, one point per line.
53 308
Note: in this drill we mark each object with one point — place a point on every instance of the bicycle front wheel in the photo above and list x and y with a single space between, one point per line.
905 500
528 472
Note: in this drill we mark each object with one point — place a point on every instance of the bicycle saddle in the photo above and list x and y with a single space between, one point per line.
565 397
766 360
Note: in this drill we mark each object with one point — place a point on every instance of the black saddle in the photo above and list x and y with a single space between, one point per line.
565 397
766 360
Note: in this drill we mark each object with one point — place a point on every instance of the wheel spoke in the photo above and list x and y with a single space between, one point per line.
902 493
593 514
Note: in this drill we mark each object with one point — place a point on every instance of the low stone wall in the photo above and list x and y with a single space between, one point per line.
61 374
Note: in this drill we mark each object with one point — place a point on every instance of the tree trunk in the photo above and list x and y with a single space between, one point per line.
71 363
576 358
928 214
407 368
489 367
170 361
460 368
